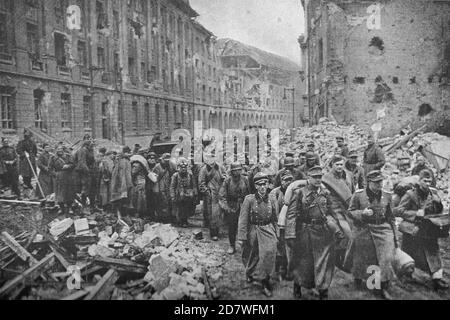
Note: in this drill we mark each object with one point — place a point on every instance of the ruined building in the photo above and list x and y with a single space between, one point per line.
260 84
385 62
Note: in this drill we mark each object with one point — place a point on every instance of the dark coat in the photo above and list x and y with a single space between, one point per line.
210 180
121 180
358 176
65 189
45 175
373 244
7 154
27 145
423 248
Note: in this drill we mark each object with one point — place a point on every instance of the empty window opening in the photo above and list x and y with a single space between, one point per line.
359 80
395 80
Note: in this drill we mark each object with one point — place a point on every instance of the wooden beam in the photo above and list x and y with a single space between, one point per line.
20 202
207 285
77 295
121 265
103 288
18 249
60 258
29 274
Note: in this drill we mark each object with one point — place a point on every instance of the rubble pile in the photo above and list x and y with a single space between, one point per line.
433 146
126 260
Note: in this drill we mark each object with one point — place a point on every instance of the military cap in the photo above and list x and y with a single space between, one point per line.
289 154
353 154
287 176
126 150
182 162
340 138
310 156
235 166
260 178
375 176
289 161
315 171
336 158
166 156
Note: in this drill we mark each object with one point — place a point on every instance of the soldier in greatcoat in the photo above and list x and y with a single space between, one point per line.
45 177
24 147
351 165
62 165
210 180
314 249
257 234
8 167
373 234
232 194
423 247
373 156
85 168
164 172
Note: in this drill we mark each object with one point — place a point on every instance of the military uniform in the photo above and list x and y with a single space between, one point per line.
358 176
257 229
373 237
423 248
65 191
314 252
183 193
373 159
45 177
25 170
85 168
8 168
232 195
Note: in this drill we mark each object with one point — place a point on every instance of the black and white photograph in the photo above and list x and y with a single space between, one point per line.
224 155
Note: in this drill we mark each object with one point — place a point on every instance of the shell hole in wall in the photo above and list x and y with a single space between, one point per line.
424 110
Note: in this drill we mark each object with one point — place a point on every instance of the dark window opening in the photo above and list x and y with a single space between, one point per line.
430 79
60 50
359 80
66 111
395 80
86 112
38 96
135 116
425 109
412 80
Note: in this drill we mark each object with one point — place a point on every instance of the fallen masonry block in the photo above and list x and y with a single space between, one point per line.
101 251
121 265
81 226
161 269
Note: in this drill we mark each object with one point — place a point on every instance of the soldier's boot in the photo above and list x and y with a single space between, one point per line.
440 284
383 293
359 284
297 291
323 294
267 288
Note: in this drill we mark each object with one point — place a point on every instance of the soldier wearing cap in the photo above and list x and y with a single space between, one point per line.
373 156
289 166
357 171
311 148
302 158
232 194
313 256
27 145
421 201
311 162
8 166
341 148
421 165
183 192
286 155
340 184
277 197
257 234
164 172
138 196
152 185
121 181
373 235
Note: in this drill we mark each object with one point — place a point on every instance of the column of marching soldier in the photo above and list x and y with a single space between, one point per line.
299 223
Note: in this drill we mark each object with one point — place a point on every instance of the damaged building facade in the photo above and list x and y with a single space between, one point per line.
263 86
384 62
119 70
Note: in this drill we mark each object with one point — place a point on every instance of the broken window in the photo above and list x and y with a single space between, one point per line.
147 115
320 52
395 80
116 23
4 46
7 105
166 112
101 58
86 112
60 11
60 49
158 117
66 110
120 116
180 83
143 72
82 54
38 96
102 19
132 70
135 118
32 39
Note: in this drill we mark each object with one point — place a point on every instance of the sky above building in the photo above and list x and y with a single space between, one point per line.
271 25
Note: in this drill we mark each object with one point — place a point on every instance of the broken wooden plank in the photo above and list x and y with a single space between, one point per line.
17 248
61 258
207 285
77 295
20 202
104 287
121 265
30 274
91 270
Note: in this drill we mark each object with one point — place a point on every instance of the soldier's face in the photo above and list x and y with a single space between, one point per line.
426 182
262 187
376 186
286 183
315 181
338 166
183 169
353 160
236 173
47 149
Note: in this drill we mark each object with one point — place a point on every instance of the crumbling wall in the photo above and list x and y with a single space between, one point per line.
389 70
